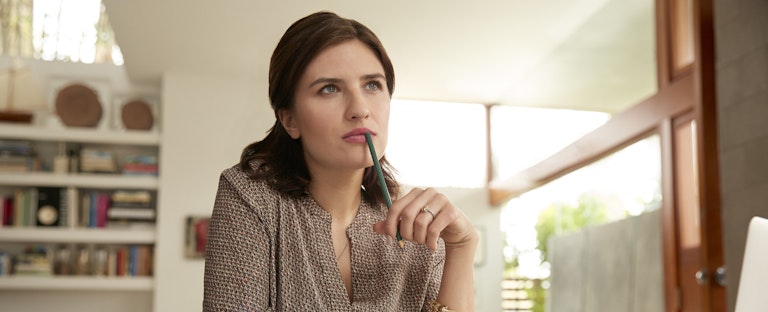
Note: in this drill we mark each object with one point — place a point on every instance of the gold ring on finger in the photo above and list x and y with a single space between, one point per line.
426 209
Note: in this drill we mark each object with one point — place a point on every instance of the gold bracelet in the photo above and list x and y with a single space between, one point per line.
434 306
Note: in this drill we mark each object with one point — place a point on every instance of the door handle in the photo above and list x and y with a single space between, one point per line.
702 278
721 275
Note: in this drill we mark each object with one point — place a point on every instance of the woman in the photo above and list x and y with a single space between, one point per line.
301 223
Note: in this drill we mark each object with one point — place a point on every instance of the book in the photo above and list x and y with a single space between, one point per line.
16 148
97 161
131 213
132 196
85 210
7 219
71 208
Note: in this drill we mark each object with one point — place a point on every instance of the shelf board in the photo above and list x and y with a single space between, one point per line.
142 283
81 180
85 135
81 235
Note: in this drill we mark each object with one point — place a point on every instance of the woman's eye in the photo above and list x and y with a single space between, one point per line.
329 89
373 85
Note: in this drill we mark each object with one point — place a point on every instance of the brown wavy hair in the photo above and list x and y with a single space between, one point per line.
280 158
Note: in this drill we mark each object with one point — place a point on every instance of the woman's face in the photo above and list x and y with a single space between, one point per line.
341 95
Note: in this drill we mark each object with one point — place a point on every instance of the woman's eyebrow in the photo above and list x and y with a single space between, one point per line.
372 76
325 81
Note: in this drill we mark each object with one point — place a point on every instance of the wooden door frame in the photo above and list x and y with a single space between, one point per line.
682 88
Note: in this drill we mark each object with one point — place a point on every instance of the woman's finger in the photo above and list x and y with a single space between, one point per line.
421 224
421 211
411 211
392 221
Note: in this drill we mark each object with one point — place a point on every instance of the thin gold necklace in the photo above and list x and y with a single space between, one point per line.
342 251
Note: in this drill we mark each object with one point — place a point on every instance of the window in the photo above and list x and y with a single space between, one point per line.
623 184
524 136
61 30
438 144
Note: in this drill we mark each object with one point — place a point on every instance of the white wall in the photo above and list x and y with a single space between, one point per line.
206 122
488 275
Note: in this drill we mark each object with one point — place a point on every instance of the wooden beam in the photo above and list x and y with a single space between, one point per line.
715 298
623 129
669 220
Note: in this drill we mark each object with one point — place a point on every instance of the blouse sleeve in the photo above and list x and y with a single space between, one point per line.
236 255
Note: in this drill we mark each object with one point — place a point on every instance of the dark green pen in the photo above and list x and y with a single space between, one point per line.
382 183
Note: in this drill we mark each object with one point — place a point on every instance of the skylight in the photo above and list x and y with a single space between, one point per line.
58 30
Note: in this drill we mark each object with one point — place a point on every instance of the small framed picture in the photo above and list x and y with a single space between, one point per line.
196 236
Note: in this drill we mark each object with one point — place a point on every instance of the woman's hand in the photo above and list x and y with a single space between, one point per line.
424 215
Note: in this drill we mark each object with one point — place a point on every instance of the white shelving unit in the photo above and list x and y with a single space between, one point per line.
78 180
32 133
77 235
84 235
90 283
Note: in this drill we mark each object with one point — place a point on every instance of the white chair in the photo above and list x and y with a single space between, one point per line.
753 285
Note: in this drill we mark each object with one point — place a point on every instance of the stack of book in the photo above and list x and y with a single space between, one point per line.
131 209
32 262
97 161
140 165
5 263
17 156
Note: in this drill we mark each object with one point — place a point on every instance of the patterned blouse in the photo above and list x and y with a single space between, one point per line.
270 252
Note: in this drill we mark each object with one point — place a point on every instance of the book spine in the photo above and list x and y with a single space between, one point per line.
64 208
85 210
18 207
132 263
7 211
32 207
103 208
72 207
111 262
92 214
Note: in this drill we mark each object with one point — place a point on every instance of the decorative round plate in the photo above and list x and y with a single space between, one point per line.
137 115
78 106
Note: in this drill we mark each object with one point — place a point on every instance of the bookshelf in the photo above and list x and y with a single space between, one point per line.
70 231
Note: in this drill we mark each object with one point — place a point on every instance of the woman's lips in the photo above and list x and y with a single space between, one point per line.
357 135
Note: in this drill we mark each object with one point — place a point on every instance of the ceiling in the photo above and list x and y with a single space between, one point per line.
587 54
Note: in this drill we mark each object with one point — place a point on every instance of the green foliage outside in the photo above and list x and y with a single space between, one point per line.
558 219
561 218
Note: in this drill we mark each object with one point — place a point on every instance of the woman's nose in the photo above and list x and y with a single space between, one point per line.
358 108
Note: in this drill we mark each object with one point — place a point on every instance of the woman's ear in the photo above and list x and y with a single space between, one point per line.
289 123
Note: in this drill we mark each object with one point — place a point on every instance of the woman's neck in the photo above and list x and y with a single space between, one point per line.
338 193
